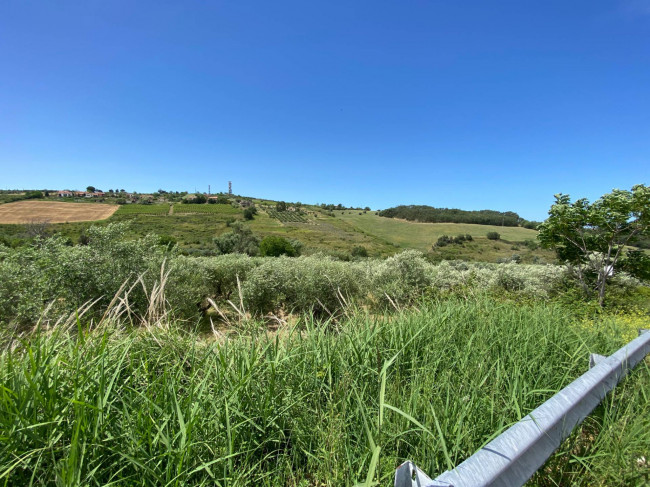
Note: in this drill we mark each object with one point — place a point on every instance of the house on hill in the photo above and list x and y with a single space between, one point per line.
65 194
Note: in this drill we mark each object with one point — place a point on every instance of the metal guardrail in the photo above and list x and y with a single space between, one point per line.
515 455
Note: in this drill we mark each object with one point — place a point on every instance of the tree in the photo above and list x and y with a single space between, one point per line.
241 240
493 236
590 237
90 189
273 246
281 206
249 214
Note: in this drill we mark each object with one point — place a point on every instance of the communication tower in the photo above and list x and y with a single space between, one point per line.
229 187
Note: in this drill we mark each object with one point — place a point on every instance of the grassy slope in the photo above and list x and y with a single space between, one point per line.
194 227
422 235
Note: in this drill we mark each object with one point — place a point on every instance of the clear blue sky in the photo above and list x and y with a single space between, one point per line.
467 104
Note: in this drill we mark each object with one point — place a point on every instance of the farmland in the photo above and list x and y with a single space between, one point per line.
206 208
153 209
194 226
287 216
53 211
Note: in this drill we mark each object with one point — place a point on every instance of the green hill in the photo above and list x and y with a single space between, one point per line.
338 232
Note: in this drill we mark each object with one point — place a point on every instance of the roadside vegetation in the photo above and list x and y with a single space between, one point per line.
127 360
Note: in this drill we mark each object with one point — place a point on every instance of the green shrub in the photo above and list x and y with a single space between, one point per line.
359 251
241 240
493 235
274 246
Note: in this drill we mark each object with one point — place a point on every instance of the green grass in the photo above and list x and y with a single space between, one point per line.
136 209
287 216
206 208
314 404
422 235
194 227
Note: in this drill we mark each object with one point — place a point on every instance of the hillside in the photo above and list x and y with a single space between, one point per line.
338 232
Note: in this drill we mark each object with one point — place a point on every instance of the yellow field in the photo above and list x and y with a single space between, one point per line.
54 212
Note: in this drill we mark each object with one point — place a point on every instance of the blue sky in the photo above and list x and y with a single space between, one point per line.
466 104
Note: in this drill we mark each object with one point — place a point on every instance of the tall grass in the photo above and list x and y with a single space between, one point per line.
310 405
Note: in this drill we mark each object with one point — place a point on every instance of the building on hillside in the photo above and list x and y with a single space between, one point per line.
64 194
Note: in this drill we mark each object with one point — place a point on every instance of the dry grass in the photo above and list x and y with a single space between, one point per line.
54 212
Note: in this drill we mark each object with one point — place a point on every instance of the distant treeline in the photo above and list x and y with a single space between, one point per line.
429 214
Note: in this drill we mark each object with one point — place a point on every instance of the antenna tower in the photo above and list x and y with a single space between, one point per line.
229 187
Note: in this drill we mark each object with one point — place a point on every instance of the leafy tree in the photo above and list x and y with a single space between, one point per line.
33 195
637 264
273 246
240 241
90 189
590 237
281 206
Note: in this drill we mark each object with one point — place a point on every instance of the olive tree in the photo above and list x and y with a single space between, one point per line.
591 237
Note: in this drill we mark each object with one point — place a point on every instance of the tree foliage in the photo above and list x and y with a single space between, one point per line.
240 241
274 246
429 214
591 237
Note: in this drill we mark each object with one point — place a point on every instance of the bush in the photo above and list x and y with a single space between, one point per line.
493 235
249 214
359 251
302 284
241 240
273 246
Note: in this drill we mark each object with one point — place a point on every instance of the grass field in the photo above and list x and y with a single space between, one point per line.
311 404
21 212
422 235
206 208
135 209
194 227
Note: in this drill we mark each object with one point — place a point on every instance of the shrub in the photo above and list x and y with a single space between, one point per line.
493 235
240 240
301 284
359 251
274 246
249 214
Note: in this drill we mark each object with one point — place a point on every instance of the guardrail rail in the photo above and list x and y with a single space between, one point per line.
515 455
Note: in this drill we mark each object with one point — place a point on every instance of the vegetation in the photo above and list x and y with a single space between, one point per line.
287 216
158 406
241 240
591 237
154 209
273 246
445 240
125 362
429 214
493 236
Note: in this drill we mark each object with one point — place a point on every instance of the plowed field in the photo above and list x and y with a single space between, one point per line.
54 212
